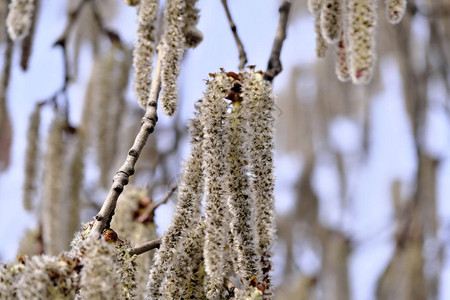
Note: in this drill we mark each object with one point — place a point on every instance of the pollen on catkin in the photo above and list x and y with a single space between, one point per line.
31 159
144 50
20 18
173 47
258 107
188 211
330 20
361 24
395 10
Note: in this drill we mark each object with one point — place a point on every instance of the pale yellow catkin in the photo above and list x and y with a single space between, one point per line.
361 24
31 159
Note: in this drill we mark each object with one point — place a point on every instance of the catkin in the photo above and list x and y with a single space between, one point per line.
20 18
31 159
51 206
240 202
215 130
173 42
9 275
330 20
192 35
395 10
321 44
314 6
361 39
48 277
144 50
342 59
27 43
186 214
99 277
258 106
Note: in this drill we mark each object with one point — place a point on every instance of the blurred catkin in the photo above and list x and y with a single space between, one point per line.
51 206
31 159
395 10
187 213
27 43
132 2
321 44
342 59
330 20
144 49
20 18
173 43
192 35
361 20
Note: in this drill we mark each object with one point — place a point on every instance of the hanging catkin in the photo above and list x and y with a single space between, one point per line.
192 35
361 24
187 213
321 44
342 59
27 43
20 18
144 49
215 131
51 207
173 43
258 106
31 159
330 20
395 10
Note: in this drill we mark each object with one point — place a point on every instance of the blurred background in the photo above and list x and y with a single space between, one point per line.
363 172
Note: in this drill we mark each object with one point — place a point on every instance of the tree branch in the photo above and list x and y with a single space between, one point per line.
274 66
144 247
240 46
103 218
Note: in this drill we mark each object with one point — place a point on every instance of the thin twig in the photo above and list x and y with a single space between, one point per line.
240 46
147 246
103 218
274 66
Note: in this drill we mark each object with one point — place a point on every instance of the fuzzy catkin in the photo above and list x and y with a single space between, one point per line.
314 6
31 159
144 50
341 69
9 276
192 35
186 214
361 25
258 106
321 44
48 277
173 42
182 278
51 206
20 18
240 202
395 10
215 130
330 20
99 277
127 269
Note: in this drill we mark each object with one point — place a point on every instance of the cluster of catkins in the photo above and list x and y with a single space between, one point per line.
93 269
350 25
180 20
227 251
